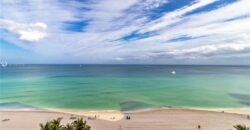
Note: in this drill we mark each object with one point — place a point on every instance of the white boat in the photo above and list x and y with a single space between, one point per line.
173 72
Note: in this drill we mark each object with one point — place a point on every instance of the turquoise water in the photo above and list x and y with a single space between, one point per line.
124 87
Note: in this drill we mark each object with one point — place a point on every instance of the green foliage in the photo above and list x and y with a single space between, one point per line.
78 124
241 127
51 125
68 127
45 127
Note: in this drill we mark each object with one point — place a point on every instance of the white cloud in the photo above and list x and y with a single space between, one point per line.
214 33
119 59
151 4
210 50
174 16
27 32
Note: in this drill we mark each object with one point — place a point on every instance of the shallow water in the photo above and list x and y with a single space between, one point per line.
124 87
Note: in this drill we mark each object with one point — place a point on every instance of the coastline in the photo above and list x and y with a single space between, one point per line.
147 119
116 115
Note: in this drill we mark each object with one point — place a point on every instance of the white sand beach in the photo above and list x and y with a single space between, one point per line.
158 119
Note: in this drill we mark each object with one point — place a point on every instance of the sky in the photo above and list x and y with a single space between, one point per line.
125 31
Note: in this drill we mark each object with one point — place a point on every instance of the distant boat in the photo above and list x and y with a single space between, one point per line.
4 63
173 72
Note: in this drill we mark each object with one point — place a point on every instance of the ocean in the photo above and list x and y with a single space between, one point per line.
124 87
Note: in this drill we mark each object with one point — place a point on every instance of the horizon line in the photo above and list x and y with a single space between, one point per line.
133 64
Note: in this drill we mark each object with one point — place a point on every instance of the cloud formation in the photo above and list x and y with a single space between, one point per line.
27 32
133 31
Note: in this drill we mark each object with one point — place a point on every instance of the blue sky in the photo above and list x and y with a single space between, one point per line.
125 31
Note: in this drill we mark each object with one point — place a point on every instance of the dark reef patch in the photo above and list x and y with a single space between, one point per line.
133 105
17 105
243 98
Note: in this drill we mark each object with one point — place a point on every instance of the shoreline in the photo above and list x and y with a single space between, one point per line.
147 119
245 109
115 115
